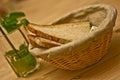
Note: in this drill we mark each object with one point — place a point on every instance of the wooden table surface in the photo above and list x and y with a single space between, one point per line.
44 12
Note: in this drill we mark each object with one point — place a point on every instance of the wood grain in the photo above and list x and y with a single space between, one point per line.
44 12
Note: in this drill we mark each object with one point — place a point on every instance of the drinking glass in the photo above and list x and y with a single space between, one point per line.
19 58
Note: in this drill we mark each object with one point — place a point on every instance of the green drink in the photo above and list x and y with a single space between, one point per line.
23 63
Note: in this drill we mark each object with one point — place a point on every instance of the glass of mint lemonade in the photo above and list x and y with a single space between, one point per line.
20 59
23 63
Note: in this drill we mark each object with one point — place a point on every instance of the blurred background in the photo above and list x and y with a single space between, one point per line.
7 6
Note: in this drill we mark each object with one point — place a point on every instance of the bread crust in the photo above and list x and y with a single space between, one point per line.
41 42
47 36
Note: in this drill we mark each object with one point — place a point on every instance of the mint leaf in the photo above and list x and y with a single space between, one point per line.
11 22
25 22
15 15
2 22
6 19
23 50
22 46
11 27
10 53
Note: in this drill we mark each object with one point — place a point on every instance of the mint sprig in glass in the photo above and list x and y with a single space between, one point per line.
21 60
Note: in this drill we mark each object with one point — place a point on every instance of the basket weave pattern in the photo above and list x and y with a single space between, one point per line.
82 53
80 59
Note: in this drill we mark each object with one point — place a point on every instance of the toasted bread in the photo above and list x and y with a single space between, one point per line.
42 42
61 33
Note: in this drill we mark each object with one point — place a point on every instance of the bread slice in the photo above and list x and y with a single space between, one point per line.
42 42
61 33
37 31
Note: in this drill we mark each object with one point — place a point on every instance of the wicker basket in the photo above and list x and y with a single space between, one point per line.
87 51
